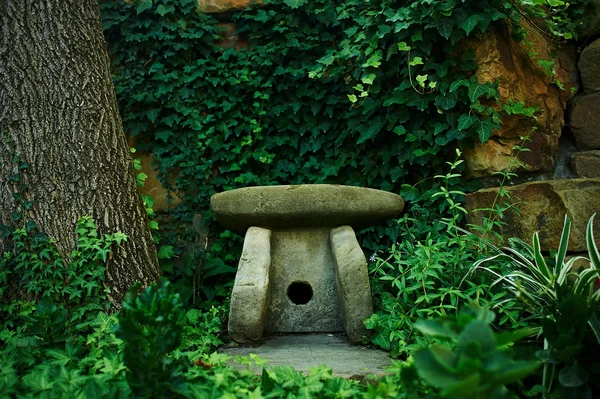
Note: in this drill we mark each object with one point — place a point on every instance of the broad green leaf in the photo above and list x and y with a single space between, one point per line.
166 252
444 26
434 328
421 79
478 332
399 130
326 60
516 371
416 61
470 23
436 369
369 130
402 46
143 5
446 101
458 83
476 90
509 337
466 121
464 388
163 135
162 9
153 114
295 3
368 79
485 129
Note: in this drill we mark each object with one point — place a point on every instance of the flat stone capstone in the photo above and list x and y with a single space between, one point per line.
304 205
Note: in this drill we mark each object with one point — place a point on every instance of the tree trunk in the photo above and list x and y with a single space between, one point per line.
58 111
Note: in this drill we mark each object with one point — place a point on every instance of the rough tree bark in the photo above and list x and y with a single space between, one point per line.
59 111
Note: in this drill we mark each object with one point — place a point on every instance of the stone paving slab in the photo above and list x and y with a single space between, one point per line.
304 351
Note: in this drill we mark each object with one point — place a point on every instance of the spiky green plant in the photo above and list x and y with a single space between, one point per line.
562 297
538 283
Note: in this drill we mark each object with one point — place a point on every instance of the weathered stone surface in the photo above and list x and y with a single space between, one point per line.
304 206
303 256
585 121
542 206
586 164
589 67
250 295
219 6
521 78
352 281
306 351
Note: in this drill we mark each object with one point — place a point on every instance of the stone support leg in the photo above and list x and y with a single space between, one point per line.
352 280
250 296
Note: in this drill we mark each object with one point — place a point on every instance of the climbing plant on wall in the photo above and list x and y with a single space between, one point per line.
369 93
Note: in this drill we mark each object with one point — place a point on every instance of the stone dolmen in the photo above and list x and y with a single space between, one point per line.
301 268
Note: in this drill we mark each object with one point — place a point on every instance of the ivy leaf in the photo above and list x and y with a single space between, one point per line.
143 5
162 10
163 135
444 26
466 121
166 252
402 46
369 130
295 3
453 134
400 130
446 101
352 98
416 61
421 79
458 83
470 23
326 60
369 79
153 114
485 129
476 90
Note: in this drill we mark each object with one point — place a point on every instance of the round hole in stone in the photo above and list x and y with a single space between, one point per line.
300 292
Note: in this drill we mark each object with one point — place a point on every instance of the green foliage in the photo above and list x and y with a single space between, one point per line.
476 364
151 326
563 20
567 303
421 280
426 278
282 110
57 291
57 338
375 94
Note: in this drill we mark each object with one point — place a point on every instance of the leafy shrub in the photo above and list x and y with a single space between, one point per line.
566 303
151 326
476 365
58 340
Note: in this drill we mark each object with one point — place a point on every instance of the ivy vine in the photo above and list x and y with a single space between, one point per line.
370 93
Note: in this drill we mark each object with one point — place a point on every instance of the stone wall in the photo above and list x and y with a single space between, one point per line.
574 185
520 78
